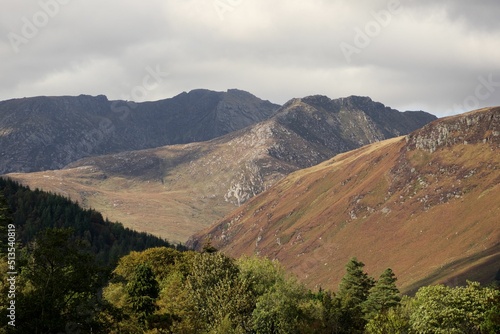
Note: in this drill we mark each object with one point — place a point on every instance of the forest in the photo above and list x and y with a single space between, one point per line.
33 211
75 272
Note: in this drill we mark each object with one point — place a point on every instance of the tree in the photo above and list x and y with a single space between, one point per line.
353 292
143 290
61 280
491 323
260 273
441 309
5 220
216 294
395 320
382 296
279 310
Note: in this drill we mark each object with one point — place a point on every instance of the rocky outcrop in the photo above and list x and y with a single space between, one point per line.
315 128
479 126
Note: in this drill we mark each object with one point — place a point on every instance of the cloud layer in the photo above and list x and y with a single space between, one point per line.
439 56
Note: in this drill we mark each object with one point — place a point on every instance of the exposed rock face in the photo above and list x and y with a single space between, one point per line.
49 132
313 129
470 128
308 131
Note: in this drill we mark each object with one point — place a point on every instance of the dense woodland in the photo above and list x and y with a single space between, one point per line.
64 285
33 211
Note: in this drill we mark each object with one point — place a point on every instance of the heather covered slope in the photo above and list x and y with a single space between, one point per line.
176 190
426 205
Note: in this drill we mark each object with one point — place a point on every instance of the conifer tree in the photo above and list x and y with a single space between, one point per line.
59 287
5 220
143 290
383 295
353 292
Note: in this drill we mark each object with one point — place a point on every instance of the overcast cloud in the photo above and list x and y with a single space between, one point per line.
438 56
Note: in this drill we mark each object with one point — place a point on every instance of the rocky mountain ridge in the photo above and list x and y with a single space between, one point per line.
43 133
470 128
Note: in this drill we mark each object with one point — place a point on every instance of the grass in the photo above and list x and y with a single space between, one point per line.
414 238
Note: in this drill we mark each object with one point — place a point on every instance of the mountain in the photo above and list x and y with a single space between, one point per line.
176 190
43 133
425 205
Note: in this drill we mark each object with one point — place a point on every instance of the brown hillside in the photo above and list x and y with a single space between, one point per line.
427 205
174 191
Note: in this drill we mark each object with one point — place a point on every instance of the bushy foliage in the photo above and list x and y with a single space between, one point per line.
441 309
253 295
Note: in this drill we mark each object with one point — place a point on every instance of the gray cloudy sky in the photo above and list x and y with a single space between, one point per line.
439 56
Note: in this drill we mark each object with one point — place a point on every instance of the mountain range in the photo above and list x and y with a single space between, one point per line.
176 190
42 133
424 204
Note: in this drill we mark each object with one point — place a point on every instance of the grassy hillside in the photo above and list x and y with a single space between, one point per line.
426 205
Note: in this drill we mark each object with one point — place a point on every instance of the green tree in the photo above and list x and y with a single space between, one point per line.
279 310
5 220
491 323
331 312
441 309
142 291
382 296
395 320
216 294
60 284
260 273
353 292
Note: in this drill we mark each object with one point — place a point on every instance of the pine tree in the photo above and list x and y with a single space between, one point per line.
353 292
5 220
143 290
383 295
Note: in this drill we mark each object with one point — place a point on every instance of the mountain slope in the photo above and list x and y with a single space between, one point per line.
174 191
426 205
43 133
